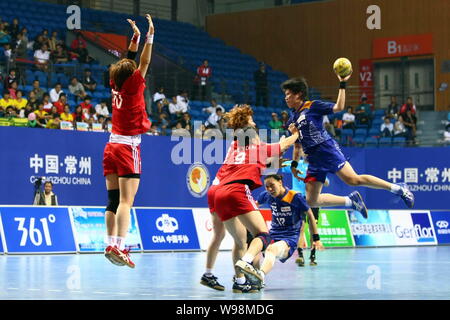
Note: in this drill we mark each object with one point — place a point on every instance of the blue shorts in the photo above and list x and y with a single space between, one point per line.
324 158
291 242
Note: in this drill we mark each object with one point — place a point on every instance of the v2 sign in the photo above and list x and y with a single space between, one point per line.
366 79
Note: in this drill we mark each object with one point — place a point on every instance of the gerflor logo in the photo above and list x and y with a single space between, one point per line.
422 227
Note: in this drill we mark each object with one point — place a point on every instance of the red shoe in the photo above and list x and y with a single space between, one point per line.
126 259
113 254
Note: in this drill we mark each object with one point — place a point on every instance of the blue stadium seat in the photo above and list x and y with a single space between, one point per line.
385 141
361 132
399 141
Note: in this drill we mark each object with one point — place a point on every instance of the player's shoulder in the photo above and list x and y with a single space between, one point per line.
290 196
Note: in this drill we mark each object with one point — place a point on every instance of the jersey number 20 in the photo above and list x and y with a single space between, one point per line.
117 99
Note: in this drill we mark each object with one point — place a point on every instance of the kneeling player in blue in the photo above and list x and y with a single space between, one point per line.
288 209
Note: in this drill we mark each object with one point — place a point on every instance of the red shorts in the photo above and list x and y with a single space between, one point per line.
232 200
211 196
121 159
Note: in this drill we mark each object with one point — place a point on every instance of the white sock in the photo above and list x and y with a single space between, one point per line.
208 271
111 240
240 280
248 258
348 202
395 188
120 242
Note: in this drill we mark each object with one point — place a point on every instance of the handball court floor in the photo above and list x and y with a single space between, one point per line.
357 273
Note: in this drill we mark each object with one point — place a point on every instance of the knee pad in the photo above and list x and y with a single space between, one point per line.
265 238
113 200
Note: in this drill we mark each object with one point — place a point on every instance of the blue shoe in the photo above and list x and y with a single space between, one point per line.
247 287
211 281
407 196
358 203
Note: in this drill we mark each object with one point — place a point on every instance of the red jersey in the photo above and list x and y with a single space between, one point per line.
246 163
59 106
129 117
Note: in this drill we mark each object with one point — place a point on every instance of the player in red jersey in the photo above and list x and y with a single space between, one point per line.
121 158
242 169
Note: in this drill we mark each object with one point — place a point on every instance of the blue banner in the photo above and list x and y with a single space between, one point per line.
176 172
441 222
90 230
40 229
374 231
167 229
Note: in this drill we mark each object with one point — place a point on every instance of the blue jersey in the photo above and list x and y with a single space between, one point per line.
287 213
309 121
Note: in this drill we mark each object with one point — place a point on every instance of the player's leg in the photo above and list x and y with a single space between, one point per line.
312 257
300 261
208 278
112 186
239 234
254 222
277 250
128 186
350 177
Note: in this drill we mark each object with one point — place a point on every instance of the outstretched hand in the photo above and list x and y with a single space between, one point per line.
134 26
344 79
151 28
317 245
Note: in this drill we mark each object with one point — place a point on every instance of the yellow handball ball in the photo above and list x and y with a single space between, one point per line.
342 67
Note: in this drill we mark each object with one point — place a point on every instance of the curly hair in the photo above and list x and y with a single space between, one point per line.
238 117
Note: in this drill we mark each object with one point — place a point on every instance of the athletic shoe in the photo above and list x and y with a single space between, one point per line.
125 257
407 196
255 276
112 253
211 281
255 288
313 262
358 203
247 287
300 261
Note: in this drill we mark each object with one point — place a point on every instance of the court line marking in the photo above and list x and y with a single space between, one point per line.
32 289
100 292
12 288
54 290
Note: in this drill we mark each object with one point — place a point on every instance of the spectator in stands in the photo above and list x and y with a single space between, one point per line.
392 109
21 47
54 112
329 126
201 81
46 198
2 112
10 78
213 121
33 121
56 92
260 78
7 51
54 122
38 42
66 115
77 89
86 104
13 89
21 102
60 55
41 114
159 95
42 58
88 82
275 123
14 29
285 120
78 42
25 112
78 115
24 33
348 119
61 103
213 107
387 128
32 101
47 103
102 109
11 112
45 35
7 101
399 128
154 130
409 105
161 108
409 121
4 35
186 120
363 112
447 134
54 41
81 54
163 123
38 91
183 101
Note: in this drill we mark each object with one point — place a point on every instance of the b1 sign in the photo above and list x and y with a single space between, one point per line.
36 230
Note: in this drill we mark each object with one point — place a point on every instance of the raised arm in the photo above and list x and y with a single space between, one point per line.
147 51
134 43
285 143
340 102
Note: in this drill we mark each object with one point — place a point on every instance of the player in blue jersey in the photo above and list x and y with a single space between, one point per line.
298 184
288 208
324 154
